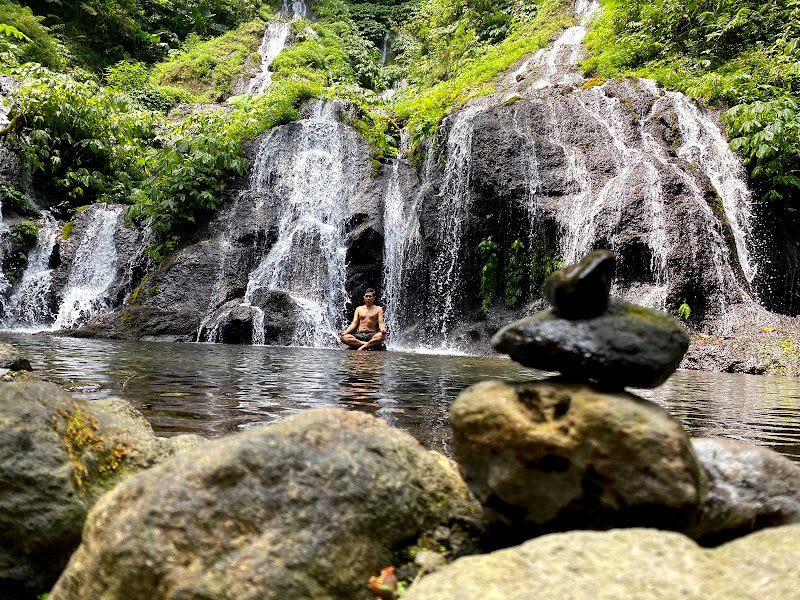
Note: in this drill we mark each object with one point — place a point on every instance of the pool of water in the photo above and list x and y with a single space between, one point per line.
214 389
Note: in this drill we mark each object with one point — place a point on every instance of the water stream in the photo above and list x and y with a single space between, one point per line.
274 41
93 270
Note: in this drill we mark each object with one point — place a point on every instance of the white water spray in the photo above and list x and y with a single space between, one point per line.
93 270
312 187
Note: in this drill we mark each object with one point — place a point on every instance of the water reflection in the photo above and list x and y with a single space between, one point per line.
214 389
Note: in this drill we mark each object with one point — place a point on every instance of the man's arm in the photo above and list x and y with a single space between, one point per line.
381 325
352 325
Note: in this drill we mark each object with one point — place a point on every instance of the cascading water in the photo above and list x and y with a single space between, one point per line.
453 209
273 43
93 270
704 145
311 186
28 307
386 50
403 245
556 64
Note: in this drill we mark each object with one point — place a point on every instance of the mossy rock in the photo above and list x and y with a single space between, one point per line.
58 455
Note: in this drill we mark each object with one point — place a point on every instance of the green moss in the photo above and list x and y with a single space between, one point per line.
135 295
79 433
423 105
66 231
208 71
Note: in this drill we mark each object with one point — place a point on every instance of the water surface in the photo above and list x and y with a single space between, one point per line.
215 389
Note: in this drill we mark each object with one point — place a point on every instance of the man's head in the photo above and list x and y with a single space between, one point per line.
369 296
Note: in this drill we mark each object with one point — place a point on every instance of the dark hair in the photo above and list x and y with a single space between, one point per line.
368 290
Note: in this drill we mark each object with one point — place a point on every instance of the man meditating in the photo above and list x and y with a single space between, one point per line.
367 329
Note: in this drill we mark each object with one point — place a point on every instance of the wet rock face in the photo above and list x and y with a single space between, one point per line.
550 457
749 488
625 564
307 508
58 455
628 345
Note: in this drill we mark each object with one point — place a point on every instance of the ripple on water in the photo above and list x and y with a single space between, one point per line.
214 389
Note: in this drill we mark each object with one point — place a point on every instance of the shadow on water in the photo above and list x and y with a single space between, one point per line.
213 389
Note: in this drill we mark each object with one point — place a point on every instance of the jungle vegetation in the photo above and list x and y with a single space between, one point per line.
100 77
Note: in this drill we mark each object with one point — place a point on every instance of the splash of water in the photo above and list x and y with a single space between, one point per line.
93 270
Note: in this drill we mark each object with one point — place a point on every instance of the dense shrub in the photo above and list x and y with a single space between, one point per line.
38 43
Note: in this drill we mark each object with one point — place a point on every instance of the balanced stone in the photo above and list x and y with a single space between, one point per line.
549 456
580 291
627 345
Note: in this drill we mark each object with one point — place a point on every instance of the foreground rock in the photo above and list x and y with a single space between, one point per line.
628 345
641 564
58 454
308 508
548 456
750 488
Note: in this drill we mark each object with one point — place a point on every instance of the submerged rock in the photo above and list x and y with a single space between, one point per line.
308 508
628 345
625 564
580 291
59 454
546 456
749 488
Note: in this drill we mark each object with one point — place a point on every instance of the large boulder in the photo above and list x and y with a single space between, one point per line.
550 456
749 488
58 455
307 508
625 564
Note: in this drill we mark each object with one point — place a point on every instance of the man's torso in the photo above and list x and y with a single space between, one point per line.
367 318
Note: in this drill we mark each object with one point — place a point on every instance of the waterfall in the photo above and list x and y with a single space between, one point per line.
556 63
271 45
453 211
403 246
704 145
274 41
311 178
386 50
93 270
28 306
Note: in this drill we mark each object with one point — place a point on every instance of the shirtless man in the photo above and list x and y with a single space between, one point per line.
368 325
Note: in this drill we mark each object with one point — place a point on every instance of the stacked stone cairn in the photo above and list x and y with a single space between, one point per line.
579 452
